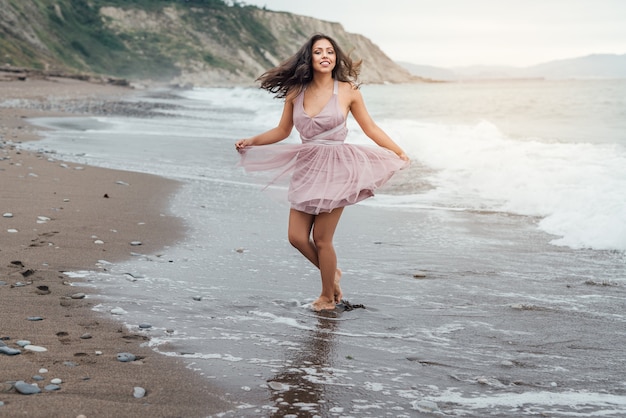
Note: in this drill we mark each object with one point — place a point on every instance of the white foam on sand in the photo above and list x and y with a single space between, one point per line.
571 404
292 322
203 356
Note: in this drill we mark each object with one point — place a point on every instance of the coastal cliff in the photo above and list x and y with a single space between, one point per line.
200 42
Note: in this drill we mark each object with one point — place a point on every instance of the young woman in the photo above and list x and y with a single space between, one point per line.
319 85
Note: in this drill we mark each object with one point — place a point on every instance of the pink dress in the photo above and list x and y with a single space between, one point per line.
325 173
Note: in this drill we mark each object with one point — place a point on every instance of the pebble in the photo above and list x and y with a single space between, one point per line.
42 219
85 336
125 357
70 363
9 351
7 215
37 377
198 298
51 388
23 343
25 388
122 183
135 243
43 290
56 381
78 296
43 371
35 348
98 353
139 392
35 318
98 241
118 311
12 231
27 273
145 326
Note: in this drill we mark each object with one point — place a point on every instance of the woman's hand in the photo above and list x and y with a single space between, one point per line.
403 157
241 144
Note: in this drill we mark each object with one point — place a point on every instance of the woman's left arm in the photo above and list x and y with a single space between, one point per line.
369 127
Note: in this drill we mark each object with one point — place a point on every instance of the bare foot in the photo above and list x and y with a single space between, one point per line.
338 292
323 304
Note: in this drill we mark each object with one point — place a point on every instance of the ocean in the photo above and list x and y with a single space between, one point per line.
492 271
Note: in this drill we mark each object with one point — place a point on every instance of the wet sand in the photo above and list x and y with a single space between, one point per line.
57 217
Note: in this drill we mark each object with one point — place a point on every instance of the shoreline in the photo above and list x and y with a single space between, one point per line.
58 217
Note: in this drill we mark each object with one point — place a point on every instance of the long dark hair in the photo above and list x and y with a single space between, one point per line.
297 71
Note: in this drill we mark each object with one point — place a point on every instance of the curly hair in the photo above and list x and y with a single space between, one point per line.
297 71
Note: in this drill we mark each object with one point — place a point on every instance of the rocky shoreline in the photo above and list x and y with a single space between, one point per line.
11 73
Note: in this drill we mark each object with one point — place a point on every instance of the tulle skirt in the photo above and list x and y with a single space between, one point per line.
323 177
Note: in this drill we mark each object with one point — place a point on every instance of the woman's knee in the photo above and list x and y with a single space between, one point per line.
298 240
322 241
299 230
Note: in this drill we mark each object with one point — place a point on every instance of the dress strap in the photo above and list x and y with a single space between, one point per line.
336 87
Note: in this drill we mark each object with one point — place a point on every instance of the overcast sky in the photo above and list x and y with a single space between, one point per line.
450 33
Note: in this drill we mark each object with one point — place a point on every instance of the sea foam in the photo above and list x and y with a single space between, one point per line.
577 189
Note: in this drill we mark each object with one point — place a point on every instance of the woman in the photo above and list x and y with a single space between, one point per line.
319 85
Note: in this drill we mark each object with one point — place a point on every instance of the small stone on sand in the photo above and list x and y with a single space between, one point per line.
25 388
35 348
125 357
139 392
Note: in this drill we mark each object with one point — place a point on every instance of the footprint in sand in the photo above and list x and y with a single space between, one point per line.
40 242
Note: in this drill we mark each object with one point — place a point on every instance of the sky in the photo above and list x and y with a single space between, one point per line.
453 33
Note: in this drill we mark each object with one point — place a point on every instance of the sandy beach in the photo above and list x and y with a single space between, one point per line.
57 217
470 309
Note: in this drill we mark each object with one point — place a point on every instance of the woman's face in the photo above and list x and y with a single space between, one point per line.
323 56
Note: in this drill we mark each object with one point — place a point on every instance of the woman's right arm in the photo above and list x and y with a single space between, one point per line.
280 132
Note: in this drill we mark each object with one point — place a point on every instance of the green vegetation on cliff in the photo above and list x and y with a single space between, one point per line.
74 35
208 41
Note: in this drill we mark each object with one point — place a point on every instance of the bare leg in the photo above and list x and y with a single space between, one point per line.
299 233
320 251
323 232
338 292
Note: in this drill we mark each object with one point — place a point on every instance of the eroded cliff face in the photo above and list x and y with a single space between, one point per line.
202 43
216 56
293 30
